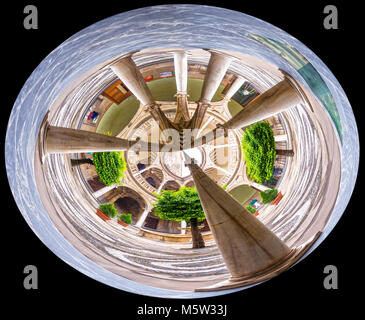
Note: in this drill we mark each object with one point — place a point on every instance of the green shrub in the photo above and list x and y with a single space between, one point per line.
109 166
126 218
250 209
268 195
258 146
108 209
181 205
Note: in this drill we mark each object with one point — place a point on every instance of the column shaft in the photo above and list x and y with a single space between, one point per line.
143 217
181 77
182 111
217 68
247 245
277 99
158 115
198 116
181 71
66 140
238 82
128 72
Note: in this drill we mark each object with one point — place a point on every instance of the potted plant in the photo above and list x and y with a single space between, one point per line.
125 219
277 199
252 210
268 195
106 211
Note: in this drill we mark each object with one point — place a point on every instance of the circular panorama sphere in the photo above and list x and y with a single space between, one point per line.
263 53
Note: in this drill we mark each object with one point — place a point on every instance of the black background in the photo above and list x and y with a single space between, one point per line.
298 291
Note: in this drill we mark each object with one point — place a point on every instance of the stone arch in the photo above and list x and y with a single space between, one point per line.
126 200
171 185
154 176
129 205
190 184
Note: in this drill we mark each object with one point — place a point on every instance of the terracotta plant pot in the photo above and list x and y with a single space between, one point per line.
102 215
122 223
277 199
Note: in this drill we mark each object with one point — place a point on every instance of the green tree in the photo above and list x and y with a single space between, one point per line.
110 166
258 146
182 205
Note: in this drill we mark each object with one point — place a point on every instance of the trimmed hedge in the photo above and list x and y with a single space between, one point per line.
258 146
109 166
181 205
268 195
126 218
108 209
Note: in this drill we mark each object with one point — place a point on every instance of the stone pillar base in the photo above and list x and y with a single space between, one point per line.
285 263
258 277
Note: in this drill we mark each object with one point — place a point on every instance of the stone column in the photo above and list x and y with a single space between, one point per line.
181 71
181 77
277 99
238 82
128 72
143 217
160 187
198 116
217 68
66 140
247 246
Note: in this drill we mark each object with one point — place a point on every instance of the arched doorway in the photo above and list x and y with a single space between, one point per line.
126 200
153 176
129 205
